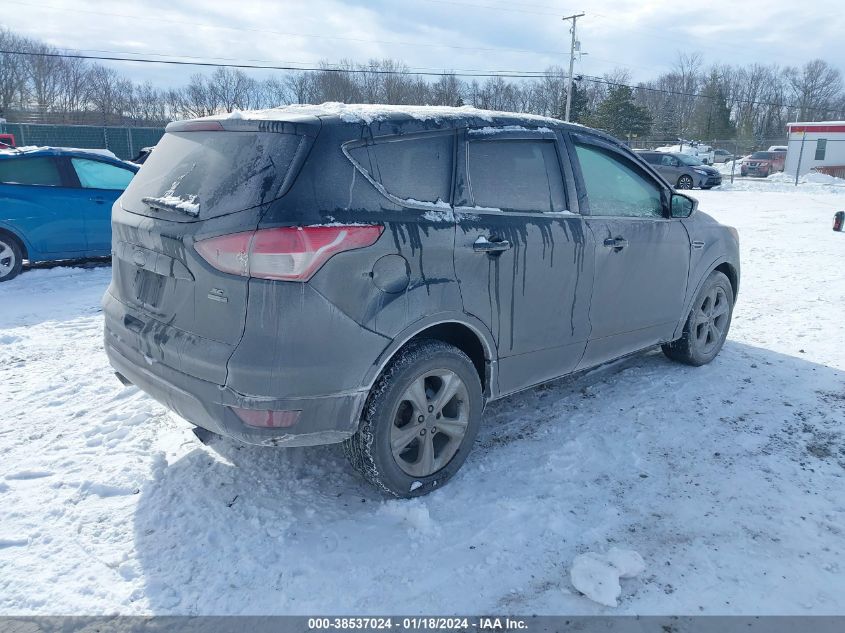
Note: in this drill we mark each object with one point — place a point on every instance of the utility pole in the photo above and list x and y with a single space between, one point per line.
571 63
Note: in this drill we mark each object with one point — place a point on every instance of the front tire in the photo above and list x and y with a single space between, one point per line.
685 182
11 257
420 420
707 324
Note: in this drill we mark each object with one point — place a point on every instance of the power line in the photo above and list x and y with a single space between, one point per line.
364 70
358 70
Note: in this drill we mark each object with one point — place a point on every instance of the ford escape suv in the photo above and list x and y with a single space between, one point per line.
374 275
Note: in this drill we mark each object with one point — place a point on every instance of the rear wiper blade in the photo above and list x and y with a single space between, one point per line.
187 205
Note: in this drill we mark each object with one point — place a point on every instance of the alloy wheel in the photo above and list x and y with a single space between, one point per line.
8 260
430 422
684 182
710 320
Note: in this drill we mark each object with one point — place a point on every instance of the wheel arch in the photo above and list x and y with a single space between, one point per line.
4 230
723 266
462 331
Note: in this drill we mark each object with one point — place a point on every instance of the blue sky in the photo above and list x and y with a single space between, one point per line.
523 35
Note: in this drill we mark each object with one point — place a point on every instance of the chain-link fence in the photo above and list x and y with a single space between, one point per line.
815 152
124 142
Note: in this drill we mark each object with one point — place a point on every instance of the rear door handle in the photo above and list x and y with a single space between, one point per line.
483 245
698 244
97 199
616 243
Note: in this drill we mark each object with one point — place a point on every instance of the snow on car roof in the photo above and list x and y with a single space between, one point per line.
368 113
49 150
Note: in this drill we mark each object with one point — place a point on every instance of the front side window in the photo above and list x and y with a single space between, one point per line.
668 161
416 169
516 175
42 171
821 148
615 187
93 174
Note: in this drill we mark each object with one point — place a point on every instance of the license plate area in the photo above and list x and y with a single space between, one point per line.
149 287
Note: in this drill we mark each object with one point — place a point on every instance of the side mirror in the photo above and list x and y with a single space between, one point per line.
839 221
683 206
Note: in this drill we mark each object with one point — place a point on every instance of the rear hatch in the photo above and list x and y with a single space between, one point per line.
203 179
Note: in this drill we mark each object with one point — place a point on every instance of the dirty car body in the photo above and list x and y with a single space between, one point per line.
267 272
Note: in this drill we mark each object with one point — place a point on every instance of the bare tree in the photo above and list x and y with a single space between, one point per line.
13 82
816 89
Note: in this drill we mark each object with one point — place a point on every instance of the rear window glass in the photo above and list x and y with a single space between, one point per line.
516 175
415 169
94 174
212 173
30 171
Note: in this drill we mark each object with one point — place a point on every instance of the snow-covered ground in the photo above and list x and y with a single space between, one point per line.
728 480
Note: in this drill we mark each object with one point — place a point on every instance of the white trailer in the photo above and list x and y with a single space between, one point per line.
819 144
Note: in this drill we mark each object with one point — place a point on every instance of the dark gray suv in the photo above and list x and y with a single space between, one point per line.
374 275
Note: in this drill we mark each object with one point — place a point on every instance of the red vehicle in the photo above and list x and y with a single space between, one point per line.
7 140
762 164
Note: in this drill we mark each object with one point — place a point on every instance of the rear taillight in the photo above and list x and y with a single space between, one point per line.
267 419
839 221
287 253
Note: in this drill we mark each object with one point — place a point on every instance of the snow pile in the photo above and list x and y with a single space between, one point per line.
784 182
369 113
597 576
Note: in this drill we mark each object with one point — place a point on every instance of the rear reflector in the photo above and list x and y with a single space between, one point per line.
264 419
287 253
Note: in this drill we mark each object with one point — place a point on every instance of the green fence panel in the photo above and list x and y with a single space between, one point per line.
124 142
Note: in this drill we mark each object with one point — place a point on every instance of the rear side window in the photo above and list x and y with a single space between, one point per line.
615 187
93 174
30 171
416 169
516 175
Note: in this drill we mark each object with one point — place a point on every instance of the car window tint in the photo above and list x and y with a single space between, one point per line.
30 171
93 174
615 187
417 169
516 175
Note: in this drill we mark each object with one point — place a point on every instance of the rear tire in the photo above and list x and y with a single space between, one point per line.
11 257
398 446
707 324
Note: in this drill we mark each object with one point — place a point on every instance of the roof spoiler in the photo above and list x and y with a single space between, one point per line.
301 125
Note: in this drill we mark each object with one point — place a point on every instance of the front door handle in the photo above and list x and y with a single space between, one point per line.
483 245
616 243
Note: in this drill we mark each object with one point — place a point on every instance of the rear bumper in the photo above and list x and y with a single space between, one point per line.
324 419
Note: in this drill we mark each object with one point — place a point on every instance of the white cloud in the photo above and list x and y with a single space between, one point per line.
642 36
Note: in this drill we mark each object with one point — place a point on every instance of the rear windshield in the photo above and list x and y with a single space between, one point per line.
202 175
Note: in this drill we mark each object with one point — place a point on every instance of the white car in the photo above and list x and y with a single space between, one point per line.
704 153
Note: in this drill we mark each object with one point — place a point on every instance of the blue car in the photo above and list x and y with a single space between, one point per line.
55 203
